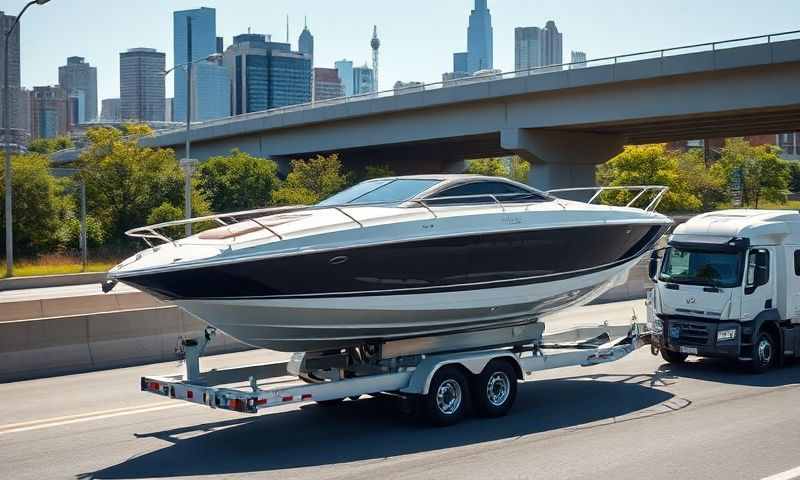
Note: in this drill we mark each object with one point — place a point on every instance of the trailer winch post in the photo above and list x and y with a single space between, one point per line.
193 349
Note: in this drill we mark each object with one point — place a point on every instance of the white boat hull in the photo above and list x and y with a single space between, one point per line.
313 324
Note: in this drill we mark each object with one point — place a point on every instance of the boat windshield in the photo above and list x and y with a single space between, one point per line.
699 267
379 191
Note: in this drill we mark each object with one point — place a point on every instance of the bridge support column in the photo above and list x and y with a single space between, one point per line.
561 159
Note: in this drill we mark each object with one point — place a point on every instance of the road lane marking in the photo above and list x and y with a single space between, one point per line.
787 475
84 417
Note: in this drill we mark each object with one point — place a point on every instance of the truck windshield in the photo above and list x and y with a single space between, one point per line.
698 267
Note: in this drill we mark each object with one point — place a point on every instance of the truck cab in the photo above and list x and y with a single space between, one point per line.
728 285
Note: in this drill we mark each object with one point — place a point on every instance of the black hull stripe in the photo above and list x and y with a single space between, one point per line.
516 282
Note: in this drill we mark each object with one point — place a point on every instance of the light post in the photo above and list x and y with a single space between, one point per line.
7 137
187 164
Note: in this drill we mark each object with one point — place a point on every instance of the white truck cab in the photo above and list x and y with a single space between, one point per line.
728 285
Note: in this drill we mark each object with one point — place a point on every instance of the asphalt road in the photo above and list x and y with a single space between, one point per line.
635 418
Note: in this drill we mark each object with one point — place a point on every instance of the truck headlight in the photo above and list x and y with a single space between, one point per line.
723 335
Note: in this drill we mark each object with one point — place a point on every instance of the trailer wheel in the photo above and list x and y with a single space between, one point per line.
446 401
674 358
764 353
495 389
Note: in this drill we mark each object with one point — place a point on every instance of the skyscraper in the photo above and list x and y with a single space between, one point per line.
79 79
266 74
111 110
345 69
306 42
195 37
327 84
480 43
537 47
49 112
363 80
16 98
141 84
577 59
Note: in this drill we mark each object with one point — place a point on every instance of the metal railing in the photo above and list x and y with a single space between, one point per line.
613 60
658 190
501 201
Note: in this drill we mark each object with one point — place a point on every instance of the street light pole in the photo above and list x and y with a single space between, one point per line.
187 188
7 139
187 164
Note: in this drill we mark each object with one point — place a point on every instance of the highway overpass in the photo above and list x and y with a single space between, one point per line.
564 120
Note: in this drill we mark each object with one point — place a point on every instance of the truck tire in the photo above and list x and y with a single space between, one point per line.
764 353
495 389
447 400
675 358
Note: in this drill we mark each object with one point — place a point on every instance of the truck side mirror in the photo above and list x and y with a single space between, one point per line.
652 267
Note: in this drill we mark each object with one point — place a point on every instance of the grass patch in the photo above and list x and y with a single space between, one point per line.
56 265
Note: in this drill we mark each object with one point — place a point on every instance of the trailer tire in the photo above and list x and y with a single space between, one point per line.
764 353
495 389
674 358
447 400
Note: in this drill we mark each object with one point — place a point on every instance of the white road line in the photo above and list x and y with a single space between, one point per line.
86 417
787 475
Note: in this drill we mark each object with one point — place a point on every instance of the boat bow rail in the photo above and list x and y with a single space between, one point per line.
640 191
160 232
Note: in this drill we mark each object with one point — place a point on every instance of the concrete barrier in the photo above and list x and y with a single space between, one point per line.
75 305
21 283
81 343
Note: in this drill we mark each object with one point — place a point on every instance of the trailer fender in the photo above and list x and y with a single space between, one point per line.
420 381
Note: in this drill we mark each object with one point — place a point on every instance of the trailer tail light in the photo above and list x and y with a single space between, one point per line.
236 404
306 396
189 394
261 401
287 398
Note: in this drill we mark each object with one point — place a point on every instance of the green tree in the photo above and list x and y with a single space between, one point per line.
377 171
520 169
492 167
50 145
125 182
705 183
238 181
167 212
38 205
794 177
649 165
764 175
311 181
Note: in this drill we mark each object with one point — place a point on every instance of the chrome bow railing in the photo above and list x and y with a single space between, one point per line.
501 201
658 194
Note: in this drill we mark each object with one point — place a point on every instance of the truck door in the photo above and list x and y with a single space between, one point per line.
759 284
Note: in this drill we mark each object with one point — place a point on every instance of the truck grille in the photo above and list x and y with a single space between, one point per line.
690 333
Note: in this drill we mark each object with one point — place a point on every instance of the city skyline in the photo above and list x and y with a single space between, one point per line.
400 52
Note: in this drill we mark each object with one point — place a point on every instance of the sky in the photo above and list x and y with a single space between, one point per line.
418 37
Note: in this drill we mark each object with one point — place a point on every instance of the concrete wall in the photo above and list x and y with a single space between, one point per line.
81 343
75 305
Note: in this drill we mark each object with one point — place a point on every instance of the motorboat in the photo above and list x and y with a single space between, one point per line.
396 258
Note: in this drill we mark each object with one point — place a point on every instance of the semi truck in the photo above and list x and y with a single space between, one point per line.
728 285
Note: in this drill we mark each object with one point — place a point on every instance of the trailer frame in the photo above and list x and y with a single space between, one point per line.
237 389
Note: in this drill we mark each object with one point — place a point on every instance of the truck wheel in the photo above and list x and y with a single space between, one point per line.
763 353
674 358
495 389
446 401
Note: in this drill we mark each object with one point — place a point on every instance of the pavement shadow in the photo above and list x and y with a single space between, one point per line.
731 372
372 429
